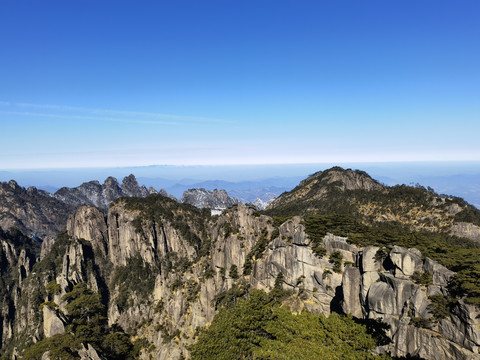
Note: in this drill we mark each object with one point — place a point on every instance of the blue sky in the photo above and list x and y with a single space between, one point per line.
123 83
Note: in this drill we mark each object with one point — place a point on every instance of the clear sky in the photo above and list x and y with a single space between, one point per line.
132 83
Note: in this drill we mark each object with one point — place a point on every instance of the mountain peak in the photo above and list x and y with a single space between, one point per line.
345 179
129 180
202 198
320 184
110 181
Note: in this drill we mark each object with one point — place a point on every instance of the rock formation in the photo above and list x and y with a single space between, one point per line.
42 215
162 268
34 212
101 196
214 199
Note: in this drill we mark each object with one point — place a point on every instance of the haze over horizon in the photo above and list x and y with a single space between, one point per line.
110 84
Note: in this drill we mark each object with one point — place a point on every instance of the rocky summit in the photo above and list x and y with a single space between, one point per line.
331 266
217 200
102 195
41 214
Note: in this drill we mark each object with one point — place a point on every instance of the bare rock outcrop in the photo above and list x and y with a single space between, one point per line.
32 211
465 229
194 259
89 223
406 261
213 199
351 286
52 322
102 195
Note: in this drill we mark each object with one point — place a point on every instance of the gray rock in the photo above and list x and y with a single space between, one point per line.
351 284
368 278
337 243
368 262
440 274
201 198
32 211
52 324
294 231
89 353
406 261
427 344
101 196
89 223
468 230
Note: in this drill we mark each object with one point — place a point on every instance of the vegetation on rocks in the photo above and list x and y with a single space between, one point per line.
249 323
458 254
336 258
260 328
424 279
256 252
137 277
187 219
87 324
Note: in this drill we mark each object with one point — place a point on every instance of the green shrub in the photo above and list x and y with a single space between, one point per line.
259 328
319 251
326 273
279 280
420 322
439 306
136 277
52 288
87 323
231 296
381 255
336 258
233 272
256 252
424 279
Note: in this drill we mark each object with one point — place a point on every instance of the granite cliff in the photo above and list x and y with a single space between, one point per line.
102 195
42 215
217 200
163 269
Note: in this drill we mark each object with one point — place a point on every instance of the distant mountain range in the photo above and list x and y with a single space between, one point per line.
247 183
41 214
245 191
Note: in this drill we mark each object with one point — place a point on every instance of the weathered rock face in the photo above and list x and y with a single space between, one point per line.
89 223
396 299
468 230
88 353
52 323
42 215
128 236
440 274
351 285
406 262
162 266
32 211
101 196
201 198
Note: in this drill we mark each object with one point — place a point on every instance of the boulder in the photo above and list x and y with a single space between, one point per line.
440 274
406 261
52 324
368 262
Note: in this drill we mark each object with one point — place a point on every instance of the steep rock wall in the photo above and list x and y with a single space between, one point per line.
245 250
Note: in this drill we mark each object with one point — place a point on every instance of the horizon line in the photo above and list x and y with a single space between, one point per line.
240 165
